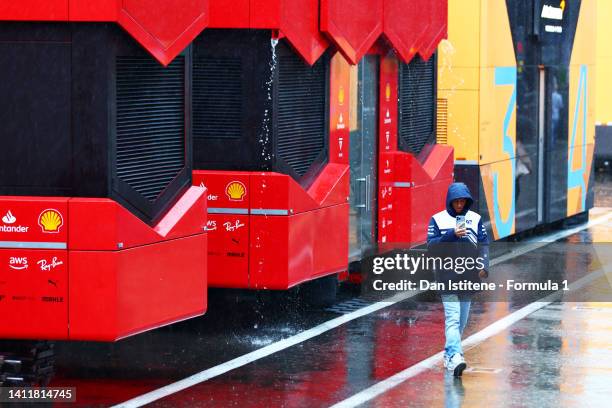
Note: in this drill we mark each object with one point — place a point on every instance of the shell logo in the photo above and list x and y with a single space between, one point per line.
341 96
388 92
50 221
235 190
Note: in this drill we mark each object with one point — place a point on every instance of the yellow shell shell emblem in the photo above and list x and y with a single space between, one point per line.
388 92
235 191
50 221
341 96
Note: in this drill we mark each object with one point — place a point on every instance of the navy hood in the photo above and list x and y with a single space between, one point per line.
455 191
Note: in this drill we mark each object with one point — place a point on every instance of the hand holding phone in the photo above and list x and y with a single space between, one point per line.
460 226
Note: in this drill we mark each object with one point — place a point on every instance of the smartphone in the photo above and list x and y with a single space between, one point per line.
461 222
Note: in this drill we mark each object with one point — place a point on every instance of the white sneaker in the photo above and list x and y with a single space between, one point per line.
446 360
456 364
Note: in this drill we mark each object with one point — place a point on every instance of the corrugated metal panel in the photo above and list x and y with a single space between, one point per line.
301 111
442 121
150 123
217 98
417 103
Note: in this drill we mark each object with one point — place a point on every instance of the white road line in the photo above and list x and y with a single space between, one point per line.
538 242
261 353
495 328
309 334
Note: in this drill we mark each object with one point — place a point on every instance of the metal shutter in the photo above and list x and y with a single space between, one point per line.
217 98
301 117
442 121
416 103
150 123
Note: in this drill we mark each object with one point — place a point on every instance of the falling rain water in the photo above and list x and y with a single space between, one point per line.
264 136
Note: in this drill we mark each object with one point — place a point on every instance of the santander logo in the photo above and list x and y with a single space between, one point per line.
9 218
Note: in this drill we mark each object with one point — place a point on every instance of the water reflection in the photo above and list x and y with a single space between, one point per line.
454 391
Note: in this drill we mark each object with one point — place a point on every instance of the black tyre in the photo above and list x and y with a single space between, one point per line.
320 292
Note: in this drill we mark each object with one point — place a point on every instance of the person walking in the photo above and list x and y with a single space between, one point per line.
457 233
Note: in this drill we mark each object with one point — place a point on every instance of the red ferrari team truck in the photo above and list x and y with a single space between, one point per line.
314 126
101 231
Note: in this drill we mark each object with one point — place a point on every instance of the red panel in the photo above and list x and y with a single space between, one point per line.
284 248
387 123
161 20
186 217
438 27
300 24
116 227
229 13
271 191
22 219
114 294
100 10
268 190
405 25
33 294
388 89
164 28
340 99
228 242
279 192
433 192
353 25
266 14
286 251
269 252
418 183
330 252
386 197
218 184
34 10
332 185
228 250
440 162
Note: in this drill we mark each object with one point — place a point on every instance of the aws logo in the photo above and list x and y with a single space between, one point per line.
18 263
235 191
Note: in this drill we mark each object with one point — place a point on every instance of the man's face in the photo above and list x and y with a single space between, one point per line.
458 205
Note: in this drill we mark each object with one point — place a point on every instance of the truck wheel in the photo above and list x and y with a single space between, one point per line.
320 292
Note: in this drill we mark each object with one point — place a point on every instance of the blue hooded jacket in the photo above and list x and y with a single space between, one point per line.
456 191
442 241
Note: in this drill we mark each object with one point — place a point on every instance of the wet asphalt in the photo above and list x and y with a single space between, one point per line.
560 355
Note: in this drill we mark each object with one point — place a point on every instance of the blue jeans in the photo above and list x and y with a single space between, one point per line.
456 312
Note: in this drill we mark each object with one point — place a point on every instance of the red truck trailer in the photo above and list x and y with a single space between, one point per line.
102 233
314 133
